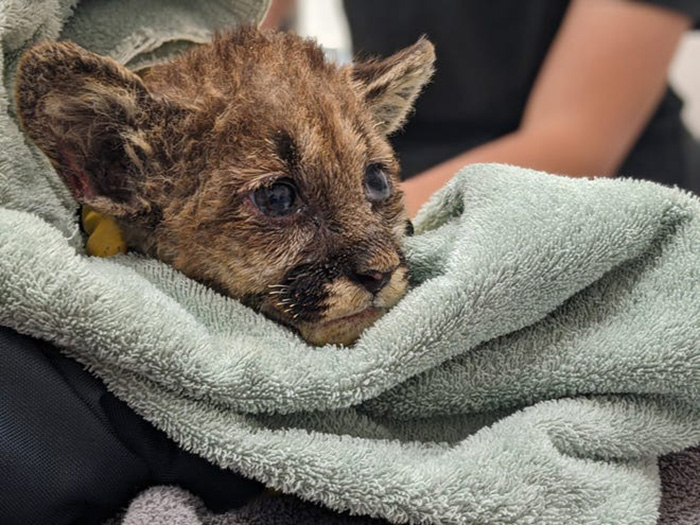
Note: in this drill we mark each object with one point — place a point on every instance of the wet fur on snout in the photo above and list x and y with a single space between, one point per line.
174 158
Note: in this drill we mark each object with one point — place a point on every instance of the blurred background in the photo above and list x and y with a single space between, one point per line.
574 87
325 21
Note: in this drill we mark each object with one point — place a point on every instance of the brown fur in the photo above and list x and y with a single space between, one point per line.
175 157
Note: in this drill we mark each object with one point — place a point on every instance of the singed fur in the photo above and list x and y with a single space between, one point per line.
174 158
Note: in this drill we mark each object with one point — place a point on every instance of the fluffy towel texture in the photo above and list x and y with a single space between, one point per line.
578 300
547 355
174 506
680 504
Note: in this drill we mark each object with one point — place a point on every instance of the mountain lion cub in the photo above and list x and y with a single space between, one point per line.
250 164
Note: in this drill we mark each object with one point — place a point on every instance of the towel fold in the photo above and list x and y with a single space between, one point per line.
547 355
680 475
174 506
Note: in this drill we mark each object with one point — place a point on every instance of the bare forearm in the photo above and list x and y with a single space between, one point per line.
278 13
546 150
591 99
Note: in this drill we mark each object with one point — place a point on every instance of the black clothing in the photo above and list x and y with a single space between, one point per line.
70 452
488 56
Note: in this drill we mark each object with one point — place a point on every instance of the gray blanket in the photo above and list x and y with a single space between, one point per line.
548 354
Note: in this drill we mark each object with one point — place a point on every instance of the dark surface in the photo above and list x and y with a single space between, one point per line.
488 56
680 481
70 452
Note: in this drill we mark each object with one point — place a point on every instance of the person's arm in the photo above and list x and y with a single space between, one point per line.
599 85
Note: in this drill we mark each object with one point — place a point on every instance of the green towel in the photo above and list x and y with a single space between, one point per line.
548 353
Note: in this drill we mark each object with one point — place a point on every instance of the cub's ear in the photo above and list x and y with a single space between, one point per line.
90 116
390 86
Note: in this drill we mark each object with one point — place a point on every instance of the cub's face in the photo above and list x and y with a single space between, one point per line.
249 164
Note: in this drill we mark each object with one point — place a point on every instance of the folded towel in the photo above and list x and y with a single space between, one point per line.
576 300
547 355
680 504
174 506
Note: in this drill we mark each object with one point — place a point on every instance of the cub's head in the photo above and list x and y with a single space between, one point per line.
250 164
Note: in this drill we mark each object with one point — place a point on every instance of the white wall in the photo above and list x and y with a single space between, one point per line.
685 78
325 21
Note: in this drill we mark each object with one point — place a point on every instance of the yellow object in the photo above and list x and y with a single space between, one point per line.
105 238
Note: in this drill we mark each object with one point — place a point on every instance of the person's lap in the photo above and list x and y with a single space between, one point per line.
71 452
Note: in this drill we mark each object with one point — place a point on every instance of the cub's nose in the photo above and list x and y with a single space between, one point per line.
372 281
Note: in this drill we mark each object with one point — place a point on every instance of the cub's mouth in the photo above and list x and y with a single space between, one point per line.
342 330
371 312
335 312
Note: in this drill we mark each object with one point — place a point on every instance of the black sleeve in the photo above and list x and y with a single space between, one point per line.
690 8
70 452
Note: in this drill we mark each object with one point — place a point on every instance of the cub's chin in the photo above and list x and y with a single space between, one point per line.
340 331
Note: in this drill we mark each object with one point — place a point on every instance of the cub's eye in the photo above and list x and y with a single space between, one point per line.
377 184
278 199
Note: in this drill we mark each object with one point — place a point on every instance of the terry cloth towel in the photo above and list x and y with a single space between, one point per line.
546 357
175 506
680 504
